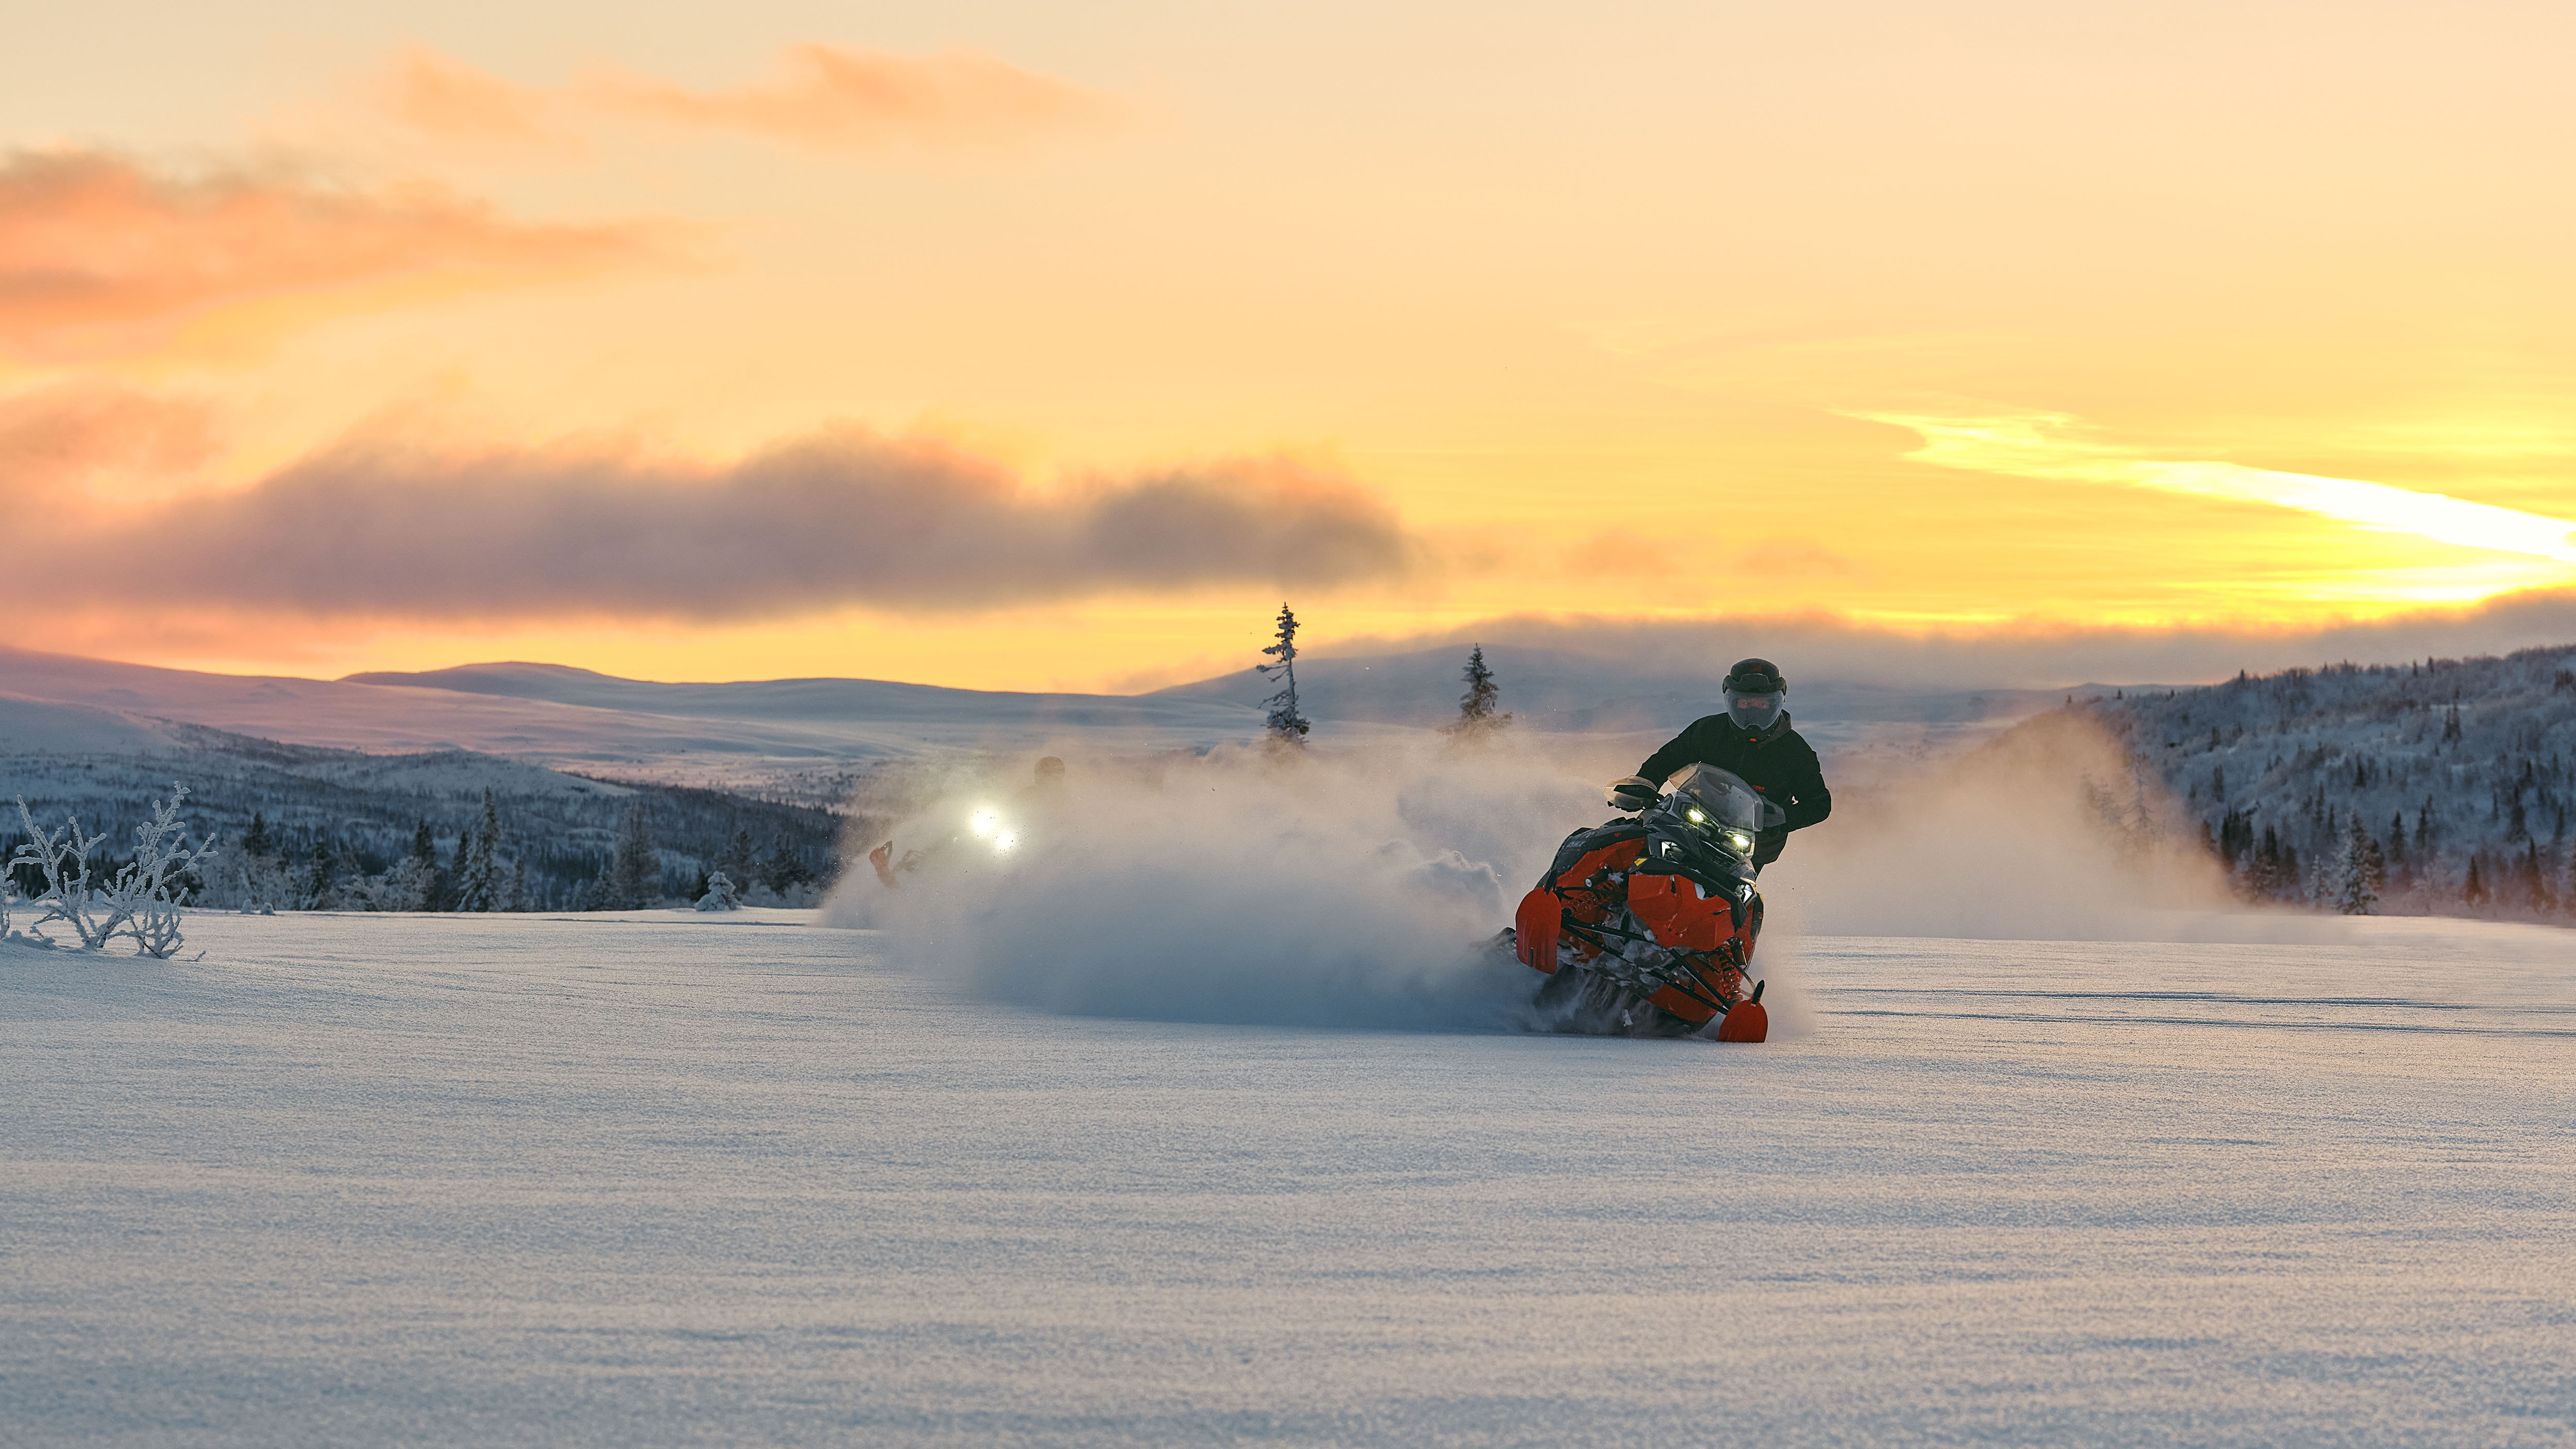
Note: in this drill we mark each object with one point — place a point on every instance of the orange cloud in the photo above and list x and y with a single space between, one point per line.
73 436
860 99
823 96
827 522
427 92
102 255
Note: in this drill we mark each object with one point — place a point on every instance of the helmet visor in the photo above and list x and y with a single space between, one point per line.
1754 711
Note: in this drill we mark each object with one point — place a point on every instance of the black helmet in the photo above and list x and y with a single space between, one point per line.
1756 676
1754 694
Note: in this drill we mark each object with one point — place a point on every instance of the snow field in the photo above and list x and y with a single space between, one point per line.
667 1179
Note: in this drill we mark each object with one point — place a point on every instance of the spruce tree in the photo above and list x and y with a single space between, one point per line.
1476 716
450 880
318 881
737 862
634 878
478 886
786 869
2354 892
2263 875
255 841
1285 724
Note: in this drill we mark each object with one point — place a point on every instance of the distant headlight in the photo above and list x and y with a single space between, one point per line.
984 821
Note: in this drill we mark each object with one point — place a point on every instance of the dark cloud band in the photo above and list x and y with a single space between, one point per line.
846 519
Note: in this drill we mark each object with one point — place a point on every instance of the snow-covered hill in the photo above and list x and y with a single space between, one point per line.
775 736
806 738
2432 769
933 711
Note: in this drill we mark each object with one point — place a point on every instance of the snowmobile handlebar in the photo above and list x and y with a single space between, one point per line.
1635 792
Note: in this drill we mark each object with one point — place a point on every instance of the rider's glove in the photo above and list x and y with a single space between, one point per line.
1633 793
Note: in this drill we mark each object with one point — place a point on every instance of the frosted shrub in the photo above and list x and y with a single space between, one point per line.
721 894
62 855
141 902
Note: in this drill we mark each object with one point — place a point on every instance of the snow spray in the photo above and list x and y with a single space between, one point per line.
1355 886
1350 887
2048 832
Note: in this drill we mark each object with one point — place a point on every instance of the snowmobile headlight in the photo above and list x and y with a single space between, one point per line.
1004 840
984 822
1739 840
1698 816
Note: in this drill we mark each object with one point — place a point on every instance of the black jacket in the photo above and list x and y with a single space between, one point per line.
1780 764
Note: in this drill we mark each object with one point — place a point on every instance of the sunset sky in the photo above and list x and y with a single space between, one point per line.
1008 344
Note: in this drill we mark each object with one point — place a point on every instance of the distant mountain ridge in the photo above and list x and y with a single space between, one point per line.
810 699
766 735
801 738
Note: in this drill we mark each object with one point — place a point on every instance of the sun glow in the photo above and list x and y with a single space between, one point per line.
551 342
2047 445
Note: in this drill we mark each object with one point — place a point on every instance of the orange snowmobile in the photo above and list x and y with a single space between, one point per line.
1645 927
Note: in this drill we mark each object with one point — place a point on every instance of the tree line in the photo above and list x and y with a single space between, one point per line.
2436 786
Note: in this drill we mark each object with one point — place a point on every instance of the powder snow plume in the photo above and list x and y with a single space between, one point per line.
1354 886
1334 888
2048 832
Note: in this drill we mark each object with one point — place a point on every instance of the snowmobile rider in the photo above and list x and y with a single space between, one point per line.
1753 741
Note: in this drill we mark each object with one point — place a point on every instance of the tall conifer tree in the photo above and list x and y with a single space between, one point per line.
1286 725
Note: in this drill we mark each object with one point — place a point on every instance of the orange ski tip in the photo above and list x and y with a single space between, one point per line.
1747 1022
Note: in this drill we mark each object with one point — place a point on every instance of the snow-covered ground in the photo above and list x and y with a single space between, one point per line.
668 1179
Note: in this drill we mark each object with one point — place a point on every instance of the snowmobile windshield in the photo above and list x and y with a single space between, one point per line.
1708 796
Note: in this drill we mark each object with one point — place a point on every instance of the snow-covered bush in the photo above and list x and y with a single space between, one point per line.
62 856
403 886
143 900
721 895
147 893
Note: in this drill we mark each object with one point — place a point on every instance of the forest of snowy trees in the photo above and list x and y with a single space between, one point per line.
2439 786
315 829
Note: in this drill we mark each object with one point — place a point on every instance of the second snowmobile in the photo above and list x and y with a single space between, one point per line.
1646 926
